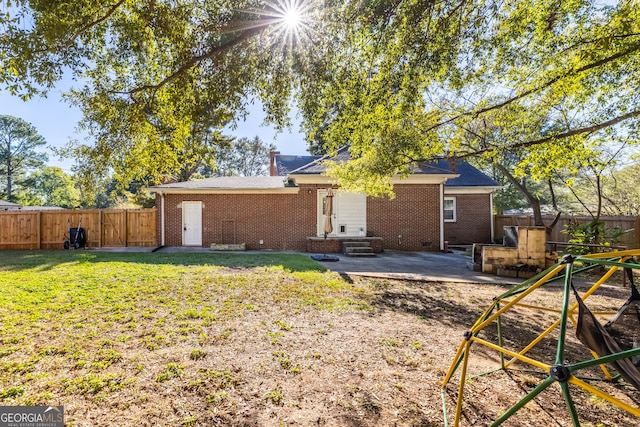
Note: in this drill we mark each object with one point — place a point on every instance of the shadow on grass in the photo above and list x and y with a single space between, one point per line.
429 301
47 259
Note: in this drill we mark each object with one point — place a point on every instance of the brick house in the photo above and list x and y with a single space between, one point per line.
284 211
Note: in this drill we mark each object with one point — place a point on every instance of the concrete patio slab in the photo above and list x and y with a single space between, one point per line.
424 266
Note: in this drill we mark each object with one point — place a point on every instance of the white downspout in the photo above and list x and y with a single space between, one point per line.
493 240
442 216
162 241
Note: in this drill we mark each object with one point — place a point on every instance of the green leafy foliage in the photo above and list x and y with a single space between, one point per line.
397 80
482 79
620 189
50 186
245 157
19 153
593 236
158 79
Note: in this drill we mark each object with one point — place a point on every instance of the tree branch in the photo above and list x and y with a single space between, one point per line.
194 61
78 33
88 26
582 203
534 202
634 47
574 132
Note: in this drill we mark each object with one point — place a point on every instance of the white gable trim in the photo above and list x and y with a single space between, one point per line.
396 180
469 190
161 191
311 179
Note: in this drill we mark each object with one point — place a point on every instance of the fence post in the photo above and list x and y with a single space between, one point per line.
637 231
100 231
39 228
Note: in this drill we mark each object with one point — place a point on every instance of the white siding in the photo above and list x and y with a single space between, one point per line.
349 211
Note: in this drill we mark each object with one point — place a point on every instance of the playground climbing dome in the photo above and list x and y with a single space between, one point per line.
606 363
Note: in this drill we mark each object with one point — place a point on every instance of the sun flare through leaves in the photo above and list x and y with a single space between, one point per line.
292 16
289 23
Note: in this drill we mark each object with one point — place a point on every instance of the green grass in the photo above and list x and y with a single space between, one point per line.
78 323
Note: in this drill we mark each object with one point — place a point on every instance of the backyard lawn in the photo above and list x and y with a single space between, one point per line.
149 339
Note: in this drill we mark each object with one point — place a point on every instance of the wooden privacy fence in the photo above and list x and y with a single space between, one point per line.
103 228
630 240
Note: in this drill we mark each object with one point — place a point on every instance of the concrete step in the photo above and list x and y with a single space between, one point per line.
359 251
355 244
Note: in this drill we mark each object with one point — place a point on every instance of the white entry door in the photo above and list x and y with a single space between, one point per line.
192 223
349 217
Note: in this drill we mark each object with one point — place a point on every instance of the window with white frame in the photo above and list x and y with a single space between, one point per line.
449 209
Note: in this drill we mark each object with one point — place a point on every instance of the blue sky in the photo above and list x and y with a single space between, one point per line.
56 121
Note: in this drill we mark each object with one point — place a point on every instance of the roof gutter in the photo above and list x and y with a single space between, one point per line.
186 190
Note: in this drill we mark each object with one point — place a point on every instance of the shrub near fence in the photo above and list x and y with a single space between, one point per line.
103 228
630 240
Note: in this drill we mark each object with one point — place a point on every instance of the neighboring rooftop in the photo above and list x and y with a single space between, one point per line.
41 208
4 205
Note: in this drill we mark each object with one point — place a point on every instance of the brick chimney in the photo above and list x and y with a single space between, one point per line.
273 168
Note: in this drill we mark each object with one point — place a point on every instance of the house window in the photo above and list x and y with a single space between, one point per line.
449 209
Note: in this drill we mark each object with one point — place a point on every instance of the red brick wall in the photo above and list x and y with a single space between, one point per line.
281 221
414 214
473 220
284 221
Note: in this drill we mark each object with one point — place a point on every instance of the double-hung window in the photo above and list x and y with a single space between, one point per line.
449 209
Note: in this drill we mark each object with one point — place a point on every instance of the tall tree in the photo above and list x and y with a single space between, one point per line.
201 154
245 157
19 144
622 191
50 186
156 74
412 76
399 80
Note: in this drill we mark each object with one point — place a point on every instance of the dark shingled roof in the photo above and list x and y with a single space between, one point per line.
430 168
469 175
312 165
315 167
286 164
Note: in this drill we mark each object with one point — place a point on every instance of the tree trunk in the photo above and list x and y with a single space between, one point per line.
534 202
9 195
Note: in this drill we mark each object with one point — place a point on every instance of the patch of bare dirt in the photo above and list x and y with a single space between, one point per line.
377 367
